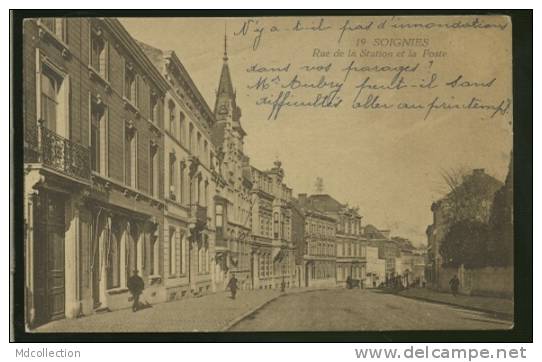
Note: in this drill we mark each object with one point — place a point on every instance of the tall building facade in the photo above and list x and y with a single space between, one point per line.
189 181
272 246
232 199
318 265
351 249
93 106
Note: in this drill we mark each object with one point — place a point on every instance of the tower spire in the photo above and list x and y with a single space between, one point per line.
225 43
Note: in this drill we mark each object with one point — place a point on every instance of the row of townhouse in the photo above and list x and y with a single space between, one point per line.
127 168
331 247
93 157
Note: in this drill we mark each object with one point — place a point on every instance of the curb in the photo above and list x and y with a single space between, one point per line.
499 315
245 315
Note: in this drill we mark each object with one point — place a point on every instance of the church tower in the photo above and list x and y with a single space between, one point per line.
227 113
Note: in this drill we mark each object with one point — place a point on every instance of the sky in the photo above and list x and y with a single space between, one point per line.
389 163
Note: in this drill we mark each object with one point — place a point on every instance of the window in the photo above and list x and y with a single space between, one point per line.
53 101
182 185
199 145
191 138
206 151
137 256
261 262
57 26
171 246
276 225
154 169
98 53
49 99
130 155
130 83
154 109
199 199
181 127
172 183
200 260
206 194
179 244
98 136
114 260
171 114
155 252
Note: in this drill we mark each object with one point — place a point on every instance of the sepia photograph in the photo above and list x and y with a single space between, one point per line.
267 174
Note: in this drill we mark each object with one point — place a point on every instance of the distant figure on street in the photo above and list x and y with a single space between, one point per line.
349 282
454 285
283 285
232 286
136 286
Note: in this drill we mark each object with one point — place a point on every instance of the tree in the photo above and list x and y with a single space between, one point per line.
469 196
501 223
466 243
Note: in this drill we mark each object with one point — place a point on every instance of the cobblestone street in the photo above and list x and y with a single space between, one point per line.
363 310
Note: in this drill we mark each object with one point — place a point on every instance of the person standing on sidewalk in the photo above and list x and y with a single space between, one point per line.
135 286
232 285
454 285
283 285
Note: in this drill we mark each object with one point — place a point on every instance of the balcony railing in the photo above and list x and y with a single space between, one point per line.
47 147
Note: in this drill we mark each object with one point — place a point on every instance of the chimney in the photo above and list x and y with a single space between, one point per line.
302 198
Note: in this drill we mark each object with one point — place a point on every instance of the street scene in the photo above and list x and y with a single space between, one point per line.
175 180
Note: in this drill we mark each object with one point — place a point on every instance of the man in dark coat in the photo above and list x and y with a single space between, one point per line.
283 285
348 282
232 286
454 285
136 286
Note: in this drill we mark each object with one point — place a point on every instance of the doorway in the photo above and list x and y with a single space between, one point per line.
49 272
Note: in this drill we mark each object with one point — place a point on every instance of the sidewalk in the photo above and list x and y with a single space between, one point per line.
497 306
212 312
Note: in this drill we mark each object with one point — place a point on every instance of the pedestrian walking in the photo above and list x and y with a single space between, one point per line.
349 282
283 285
136 286
454 285
232 286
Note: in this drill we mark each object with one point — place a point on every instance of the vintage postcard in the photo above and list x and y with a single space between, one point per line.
285 173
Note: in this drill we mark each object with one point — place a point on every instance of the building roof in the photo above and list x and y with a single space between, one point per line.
310 209
325 202
160 58
135 51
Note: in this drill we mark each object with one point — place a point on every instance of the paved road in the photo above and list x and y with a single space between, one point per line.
361 310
